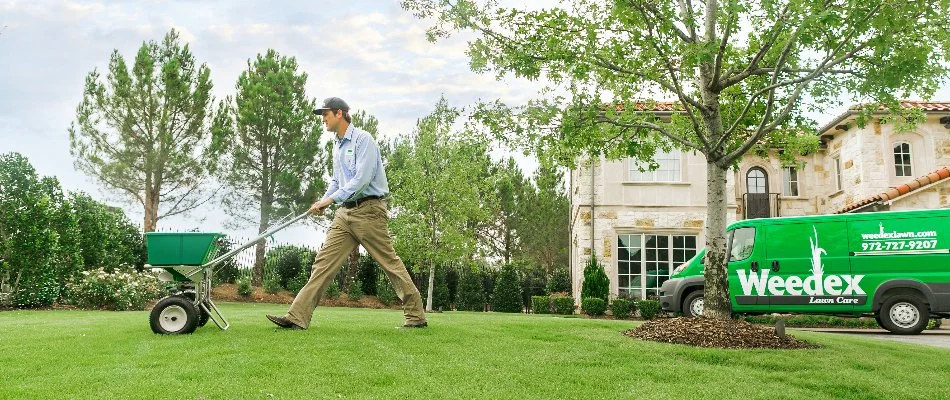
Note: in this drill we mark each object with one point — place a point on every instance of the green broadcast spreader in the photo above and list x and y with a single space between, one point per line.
188 260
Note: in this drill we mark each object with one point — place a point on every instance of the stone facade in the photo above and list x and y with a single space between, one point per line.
863 155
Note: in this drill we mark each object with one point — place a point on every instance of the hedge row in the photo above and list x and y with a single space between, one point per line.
48 237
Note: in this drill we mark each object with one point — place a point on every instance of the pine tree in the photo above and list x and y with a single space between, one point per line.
471 293
507 295
596 283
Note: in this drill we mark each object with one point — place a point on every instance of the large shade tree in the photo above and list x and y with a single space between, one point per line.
144 130
743 73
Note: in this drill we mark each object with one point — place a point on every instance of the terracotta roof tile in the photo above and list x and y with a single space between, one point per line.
899 190
659 106
928 106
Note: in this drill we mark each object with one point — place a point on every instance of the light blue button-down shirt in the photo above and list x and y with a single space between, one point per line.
357 168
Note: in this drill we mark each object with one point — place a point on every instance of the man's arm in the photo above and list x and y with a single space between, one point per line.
320 206
334 182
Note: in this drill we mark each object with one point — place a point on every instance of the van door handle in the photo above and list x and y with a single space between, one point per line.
775 266
755 266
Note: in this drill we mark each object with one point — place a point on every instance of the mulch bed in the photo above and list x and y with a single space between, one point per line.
708 332
229 293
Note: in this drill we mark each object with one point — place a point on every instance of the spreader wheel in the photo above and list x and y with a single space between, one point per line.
174 315
203 315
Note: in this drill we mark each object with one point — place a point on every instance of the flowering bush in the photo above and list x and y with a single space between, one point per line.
118 291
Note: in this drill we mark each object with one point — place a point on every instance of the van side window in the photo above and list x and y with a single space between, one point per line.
740 247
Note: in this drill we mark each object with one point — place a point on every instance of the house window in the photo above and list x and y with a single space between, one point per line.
668 171
790 182
644 261
902 159
837 174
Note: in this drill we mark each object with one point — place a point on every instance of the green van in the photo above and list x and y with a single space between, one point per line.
893 265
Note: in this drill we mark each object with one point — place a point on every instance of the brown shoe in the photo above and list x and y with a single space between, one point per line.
283 322
407 325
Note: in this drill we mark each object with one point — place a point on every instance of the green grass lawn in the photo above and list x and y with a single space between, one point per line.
357 353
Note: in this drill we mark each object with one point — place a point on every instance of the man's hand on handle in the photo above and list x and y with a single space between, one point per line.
320 207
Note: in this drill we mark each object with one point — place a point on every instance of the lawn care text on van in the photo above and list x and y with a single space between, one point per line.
817 287
814 285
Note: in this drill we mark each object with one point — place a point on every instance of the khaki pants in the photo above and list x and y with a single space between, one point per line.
362 225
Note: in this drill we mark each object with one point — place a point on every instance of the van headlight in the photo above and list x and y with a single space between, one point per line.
678 269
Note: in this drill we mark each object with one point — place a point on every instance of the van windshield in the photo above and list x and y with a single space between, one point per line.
741 243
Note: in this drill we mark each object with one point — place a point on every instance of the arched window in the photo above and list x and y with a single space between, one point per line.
902 164
757 181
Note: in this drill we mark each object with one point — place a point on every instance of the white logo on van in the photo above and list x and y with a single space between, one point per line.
817 284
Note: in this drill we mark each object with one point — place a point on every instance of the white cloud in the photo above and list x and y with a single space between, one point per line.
184 33
224 31
426 64
79 10
259 29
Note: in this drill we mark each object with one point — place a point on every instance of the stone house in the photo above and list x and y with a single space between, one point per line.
641 225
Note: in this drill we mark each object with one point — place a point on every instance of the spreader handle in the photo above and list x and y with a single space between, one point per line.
263 236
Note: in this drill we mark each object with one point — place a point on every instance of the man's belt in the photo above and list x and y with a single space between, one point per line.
357 202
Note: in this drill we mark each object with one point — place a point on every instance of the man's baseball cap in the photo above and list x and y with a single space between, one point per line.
332 103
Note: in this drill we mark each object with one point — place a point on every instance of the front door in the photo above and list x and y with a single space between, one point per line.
757 194
809 268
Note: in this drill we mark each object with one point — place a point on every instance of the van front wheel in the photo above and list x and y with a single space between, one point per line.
904 314
877 317
693 304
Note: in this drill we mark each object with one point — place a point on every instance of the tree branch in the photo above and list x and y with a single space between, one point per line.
729 79
686 8
656 13
174 210
717 70
605 63
650 126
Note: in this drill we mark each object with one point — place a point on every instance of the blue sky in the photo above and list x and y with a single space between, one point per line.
371 53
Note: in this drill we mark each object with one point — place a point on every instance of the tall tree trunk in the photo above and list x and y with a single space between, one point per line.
151 211
352 268
259 249
716 300
432 228
716 297
431 286
507 244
